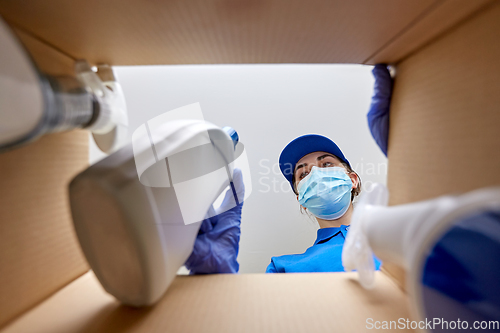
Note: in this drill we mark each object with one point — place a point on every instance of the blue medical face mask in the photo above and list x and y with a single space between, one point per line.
326 192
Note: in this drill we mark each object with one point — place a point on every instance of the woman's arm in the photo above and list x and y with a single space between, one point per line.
216 247
378 115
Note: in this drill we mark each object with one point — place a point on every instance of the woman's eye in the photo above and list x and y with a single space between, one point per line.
327 164
303 174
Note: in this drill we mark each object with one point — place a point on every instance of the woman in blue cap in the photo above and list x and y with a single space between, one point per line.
325 185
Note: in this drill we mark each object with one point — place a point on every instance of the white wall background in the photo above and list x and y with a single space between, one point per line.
268 105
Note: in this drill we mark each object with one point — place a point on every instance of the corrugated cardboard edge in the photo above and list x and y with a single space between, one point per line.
39 253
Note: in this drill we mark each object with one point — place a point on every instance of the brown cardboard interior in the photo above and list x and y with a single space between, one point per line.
39 252
48 59
135 32
315 302
445 114
443 117
433 24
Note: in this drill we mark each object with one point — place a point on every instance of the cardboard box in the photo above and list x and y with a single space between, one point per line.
443 139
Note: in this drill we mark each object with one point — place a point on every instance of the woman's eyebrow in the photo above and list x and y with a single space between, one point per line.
319 158
323 156
300 166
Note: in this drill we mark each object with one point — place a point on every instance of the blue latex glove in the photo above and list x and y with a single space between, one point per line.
378 115
216 246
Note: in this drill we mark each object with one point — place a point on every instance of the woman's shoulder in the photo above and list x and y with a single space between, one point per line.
278 263
290 258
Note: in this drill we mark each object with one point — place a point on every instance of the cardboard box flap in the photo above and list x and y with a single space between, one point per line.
301 302
432 24
445 116
134 32
39 252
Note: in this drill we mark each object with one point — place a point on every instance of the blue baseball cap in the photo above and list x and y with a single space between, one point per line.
302 146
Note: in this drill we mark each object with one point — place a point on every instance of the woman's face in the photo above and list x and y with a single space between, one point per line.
319 159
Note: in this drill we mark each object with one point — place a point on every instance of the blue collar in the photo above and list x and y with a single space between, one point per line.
325 233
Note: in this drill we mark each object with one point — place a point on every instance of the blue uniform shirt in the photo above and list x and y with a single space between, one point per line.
324 256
